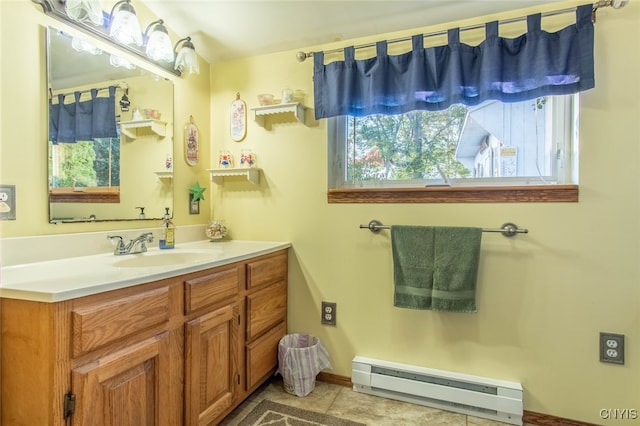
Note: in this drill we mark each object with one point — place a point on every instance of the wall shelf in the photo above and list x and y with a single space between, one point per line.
252 174
164 175
130 128
260 113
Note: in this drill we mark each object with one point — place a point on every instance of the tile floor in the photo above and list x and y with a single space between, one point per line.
343 402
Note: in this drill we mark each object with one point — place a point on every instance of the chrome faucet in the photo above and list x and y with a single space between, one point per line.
137 245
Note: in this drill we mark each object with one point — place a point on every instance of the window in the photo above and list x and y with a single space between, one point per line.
493 152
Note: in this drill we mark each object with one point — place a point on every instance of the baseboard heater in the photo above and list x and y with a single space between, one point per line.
476 396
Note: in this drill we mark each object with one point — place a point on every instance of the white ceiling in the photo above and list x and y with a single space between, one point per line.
224 30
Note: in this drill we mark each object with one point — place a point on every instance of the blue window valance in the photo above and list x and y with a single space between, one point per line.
537 63
83 120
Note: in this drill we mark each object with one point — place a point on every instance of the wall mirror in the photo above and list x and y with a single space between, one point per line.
110 138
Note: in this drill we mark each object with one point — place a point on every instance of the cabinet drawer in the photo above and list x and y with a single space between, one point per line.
100 324
266 308
210 289
267 270
262 355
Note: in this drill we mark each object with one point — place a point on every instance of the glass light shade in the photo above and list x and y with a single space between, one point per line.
125 26
159 47
187 60
84 11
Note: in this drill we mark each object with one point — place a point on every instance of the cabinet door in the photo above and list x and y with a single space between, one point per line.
126 388
212 364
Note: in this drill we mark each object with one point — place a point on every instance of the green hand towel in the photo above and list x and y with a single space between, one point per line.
435 267
412 248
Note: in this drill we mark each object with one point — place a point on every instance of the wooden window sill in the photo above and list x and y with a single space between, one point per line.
86 195
458 194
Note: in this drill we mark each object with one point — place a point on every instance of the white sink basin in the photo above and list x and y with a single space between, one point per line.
165 258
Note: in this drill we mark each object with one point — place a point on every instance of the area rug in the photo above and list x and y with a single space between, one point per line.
271 413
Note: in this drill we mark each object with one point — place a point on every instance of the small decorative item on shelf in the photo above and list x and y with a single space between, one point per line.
298 96
287 96
151 113
216 231
265 99
247 158
137 115
225 160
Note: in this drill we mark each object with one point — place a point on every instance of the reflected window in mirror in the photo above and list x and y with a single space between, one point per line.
85 171
84 146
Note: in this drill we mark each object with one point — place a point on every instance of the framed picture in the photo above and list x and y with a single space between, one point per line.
238 116
191 142
7 202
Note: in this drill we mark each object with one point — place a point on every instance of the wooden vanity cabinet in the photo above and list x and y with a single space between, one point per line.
123 369
266 304
181 351
212 344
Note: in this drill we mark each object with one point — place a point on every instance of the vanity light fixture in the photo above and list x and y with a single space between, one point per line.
125 27
186 58
158 44
84 11
121 29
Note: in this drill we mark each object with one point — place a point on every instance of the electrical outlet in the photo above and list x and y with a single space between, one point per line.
612 348
328 313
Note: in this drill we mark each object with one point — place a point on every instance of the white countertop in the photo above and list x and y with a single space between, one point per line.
58 280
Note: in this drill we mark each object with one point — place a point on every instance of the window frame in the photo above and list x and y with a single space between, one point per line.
340 191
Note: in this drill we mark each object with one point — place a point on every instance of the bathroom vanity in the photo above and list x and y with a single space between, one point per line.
160 345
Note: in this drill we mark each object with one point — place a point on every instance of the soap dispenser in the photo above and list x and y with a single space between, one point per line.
168 232
141 215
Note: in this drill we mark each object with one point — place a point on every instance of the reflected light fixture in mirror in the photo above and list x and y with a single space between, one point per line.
84 46
118 61
158 44
186 59
124 24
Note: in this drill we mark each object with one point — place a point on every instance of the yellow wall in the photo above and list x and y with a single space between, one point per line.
543 298
23 126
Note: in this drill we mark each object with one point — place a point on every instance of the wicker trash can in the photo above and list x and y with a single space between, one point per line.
300 358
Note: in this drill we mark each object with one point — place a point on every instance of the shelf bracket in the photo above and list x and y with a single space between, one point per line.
130 128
